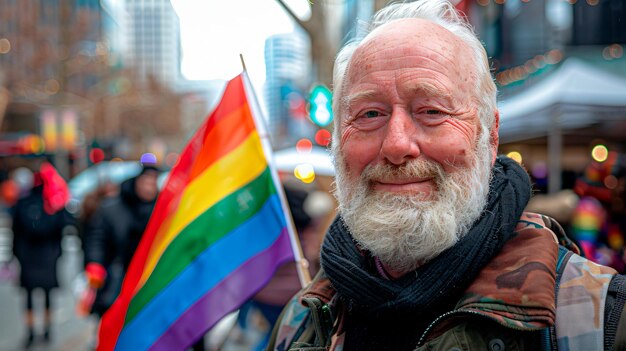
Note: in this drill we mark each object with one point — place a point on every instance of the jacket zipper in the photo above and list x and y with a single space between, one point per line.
472 312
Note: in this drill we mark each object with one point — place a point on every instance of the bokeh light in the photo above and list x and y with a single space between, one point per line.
600 153
616 51
96 155
304 172
606 54
515 155
148 158
613 51
540 170
322 137
554 56
171 159
540 61
32 144
5 46
36 144
52 86
304 146
610 182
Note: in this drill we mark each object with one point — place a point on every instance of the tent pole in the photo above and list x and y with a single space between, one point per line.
555 149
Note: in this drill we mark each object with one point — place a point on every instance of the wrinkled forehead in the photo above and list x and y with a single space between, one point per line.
414 37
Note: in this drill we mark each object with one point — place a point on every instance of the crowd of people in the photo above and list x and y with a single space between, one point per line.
110 227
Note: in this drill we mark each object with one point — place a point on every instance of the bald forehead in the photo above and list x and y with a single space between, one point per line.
409 40
408 36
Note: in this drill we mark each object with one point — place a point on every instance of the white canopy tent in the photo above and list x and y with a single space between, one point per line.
576 95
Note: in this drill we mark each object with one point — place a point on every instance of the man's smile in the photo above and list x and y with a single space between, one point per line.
414 185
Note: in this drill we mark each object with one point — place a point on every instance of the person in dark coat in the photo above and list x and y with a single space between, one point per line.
37 247
112 235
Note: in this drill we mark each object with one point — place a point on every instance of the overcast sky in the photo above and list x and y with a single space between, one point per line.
214 33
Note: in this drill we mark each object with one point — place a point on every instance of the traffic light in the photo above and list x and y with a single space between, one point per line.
320 109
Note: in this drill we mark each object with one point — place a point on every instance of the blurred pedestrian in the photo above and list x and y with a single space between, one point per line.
111 237
38 222
92 201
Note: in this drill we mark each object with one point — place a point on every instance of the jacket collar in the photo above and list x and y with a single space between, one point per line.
518 286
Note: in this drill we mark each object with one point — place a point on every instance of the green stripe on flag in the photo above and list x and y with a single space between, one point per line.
210 226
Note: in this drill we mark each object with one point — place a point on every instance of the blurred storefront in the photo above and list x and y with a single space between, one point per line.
561 76
555 123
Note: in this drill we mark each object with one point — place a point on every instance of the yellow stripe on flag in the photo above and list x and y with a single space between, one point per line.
230 173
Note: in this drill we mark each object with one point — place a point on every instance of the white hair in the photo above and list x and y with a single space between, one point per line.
443 13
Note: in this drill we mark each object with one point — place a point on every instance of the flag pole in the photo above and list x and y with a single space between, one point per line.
243 64
302 264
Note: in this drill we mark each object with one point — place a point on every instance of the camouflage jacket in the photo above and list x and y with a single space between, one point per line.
536 294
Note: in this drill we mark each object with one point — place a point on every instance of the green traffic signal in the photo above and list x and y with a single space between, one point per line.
320 109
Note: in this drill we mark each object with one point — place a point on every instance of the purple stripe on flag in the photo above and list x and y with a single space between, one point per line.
227 296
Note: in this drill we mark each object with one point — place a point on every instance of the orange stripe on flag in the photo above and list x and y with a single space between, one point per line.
231 131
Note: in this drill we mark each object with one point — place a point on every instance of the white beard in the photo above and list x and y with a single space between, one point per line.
404 230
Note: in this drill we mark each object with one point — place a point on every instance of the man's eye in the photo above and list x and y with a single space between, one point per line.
433 112
371 114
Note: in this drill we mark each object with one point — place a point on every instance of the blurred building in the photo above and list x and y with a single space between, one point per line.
560 70
80 73
155 105
517 31
52 54
297 62
597 22
36 51
287 80
153 48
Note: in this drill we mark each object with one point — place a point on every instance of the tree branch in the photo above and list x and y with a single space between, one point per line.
301 23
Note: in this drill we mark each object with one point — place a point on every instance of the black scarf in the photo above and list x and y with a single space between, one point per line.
433 287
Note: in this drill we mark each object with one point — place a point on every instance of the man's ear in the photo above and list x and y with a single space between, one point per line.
494 139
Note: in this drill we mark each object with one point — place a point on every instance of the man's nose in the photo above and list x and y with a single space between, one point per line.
401 138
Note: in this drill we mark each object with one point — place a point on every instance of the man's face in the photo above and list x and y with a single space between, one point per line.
409 95
146 186
412 176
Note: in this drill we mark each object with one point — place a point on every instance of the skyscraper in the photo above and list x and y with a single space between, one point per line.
287 61
153 40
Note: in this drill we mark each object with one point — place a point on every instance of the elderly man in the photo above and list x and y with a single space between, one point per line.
432 249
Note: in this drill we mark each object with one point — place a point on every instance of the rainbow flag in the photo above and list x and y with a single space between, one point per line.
217 234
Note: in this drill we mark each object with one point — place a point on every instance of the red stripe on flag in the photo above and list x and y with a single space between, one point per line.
234 97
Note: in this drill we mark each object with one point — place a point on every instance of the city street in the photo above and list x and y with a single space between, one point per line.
69 332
